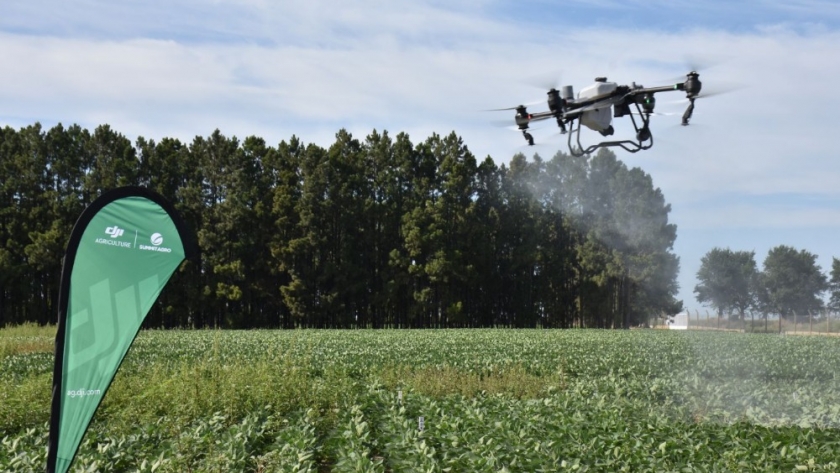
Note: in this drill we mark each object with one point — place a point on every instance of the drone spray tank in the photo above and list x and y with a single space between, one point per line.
600 119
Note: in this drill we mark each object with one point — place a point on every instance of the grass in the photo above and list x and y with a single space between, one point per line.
492 400
26 338
442 381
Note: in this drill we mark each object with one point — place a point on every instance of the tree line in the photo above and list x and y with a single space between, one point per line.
379 232
790 283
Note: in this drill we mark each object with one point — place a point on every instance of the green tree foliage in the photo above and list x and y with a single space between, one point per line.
792 281
626 261
283 169
834 285
378 232
727 280
45 180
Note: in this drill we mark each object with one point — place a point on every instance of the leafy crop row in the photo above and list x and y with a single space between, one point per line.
490 400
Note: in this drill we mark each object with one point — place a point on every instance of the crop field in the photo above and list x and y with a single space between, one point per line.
441 401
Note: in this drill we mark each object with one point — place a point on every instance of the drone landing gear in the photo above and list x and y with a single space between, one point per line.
644 138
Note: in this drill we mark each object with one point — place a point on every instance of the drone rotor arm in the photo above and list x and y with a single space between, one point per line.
539 116
653 90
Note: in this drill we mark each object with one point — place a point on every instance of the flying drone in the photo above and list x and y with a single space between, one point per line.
592 107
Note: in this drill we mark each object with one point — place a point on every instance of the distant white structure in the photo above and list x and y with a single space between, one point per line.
678 322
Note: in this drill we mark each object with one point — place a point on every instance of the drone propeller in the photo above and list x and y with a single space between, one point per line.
527 104
681 77
694 63
501 123
697 62
705 93
501 109
507 125
546 81
663 114
547 146
513 108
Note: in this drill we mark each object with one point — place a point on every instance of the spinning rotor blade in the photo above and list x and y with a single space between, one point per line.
538 102
664 114
699 62
705 93
546 146
694 63
666 130
510 125
547 81
501 109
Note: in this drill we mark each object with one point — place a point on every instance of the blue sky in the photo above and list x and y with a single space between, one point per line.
758 167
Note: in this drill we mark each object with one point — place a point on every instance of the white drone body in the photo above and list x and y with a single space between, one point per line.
600 119
596 105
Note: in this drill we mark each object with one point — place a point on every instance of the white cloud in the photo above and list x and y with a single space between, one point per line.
428 67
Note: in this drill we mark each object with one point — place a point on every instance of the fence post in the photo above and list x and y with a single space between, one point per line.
810 321
794 321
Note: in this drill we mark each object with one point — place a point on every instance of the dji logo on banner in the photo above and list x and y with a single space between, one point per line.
114 232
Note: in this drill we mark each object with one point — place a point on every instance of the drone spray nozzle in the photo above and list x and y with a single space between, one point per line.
561 125
528 138
688 111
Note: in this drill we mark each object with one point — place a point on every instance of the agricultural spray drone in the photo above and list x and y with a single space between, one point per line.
592 109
